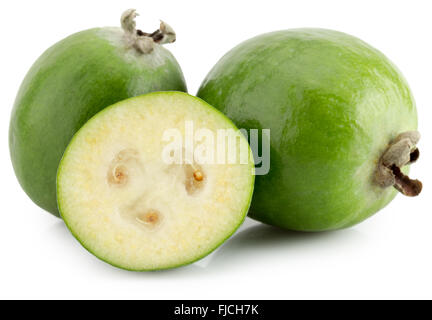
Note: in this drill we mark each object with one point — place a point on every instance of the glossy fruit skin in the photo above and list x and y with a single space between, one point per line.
68 84
333 103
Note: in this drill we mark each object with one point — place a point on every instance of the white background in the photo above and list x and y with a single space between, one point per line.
387 256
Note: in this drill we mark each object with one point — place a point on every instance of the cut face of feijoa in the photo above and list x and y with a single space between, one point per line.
134 193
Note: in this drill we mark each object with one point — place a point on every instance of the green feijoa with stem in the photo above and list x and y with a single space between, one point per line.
72 81
343 125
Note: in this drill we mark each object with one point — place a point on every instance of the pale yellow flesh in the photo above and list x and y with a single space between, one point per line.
133 210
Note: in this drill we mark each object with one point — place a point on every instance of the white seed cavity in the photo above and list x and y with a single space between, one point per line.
144 210
122 167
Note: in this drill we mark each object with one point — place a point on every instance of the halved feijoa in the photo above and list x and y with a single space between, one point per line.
155 181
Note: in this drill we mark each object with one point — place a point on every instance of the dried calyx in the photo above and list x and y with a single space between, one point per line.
401 152
144 42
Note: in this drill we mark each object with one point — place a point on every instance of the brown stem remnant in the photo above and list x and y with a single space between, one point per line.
144 42
401 152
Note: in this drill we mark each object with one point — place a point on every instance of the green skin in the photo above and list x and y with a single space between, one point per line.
333 104
68 84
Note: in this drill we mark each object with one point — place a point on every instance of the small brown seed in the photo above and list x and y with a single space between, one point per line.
118 175
150 217
198 175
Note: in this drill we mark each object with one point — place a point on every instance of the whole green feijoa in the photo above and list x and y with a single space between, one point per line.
342 122
72 81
